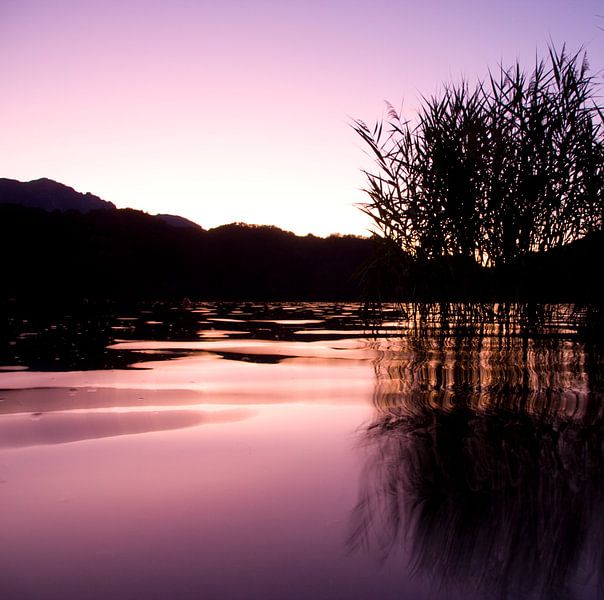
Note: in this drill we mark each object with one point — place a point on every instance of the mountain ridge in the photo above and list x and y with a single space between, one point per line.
127 253
50 195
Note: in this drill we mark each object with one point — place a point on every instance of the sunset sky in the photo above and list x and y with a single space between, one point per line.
230 110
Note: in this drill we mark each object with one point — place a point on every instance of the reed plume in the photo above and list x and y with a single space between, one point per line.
495 171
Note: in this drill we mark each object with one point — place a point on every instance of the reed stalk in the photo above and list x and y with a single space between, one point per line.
495 171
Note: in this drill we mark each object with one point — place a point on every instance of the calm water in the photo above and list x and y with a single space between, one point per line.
290 452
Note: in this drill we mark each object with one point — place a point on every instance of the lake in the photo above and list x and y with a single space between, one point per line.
297 451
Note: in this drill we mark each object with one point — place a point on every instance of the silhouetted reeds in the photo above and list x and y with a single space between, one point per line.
492 172
480 319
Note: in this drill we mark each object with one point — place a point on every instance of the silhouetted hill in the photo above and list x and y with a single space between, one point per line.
129 254
111 253
49 195
177 221
569 273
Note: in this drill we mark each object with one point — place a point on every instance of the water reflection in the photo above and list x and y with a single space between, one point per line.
485 453
41 429
486 464
88 336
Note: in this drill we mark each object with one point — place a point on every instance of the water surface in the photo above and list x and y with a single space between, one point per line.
249 451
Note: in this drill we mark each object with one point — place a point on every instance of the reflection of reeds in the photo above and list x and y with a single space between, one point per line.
492 319
542 378
487 463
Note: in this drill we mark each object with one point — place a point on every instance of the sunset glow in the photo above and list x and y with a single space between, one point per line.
241 110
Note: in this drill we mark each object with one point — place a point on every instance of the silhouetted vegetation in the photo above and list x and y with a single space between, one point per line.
471 197
486 459
60 253
128 254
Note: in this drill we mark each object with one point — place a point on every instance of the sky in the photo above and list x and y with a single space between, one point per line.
241 110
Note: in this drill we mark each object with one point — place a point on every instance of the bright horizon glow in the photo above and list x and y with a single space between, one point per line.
241 111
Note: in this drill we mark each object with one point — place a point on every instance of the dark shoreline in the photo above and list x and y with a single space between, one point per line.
127 255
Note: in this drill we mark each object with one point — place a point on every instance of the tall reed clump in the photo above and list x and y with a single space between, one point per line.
495 171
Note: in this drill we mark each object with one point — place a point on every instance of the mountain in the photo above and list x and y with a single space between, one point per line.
128 254
110 253
64 244
49 195
177 221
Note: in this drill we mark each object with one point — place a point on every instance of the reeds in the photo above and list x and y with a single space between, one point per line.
492 172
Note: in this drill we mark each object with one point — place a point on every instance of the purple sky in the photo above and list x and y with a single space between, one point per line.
239 110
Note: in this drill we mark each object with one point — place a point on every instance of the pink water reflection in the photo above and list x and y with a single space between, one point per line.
40 429
320 372
232 470
197 477
245 509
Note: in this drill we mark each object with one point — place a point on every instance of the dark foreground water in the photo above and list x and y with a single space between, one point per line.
289 452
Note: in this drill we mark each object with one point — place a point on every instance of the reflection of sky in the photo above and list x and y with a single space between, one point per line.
214 473
238 110
244 510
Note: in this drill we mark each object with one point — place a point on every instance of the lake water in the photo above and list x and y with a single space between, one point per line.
243 451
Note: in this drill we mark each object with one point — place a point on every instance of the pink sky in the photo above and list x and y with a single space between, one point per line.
240 110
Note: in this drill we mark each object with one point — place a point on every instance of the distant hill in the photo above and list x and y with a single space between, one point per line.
61 243
49 195
55 245
177 221
125 254
569 274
